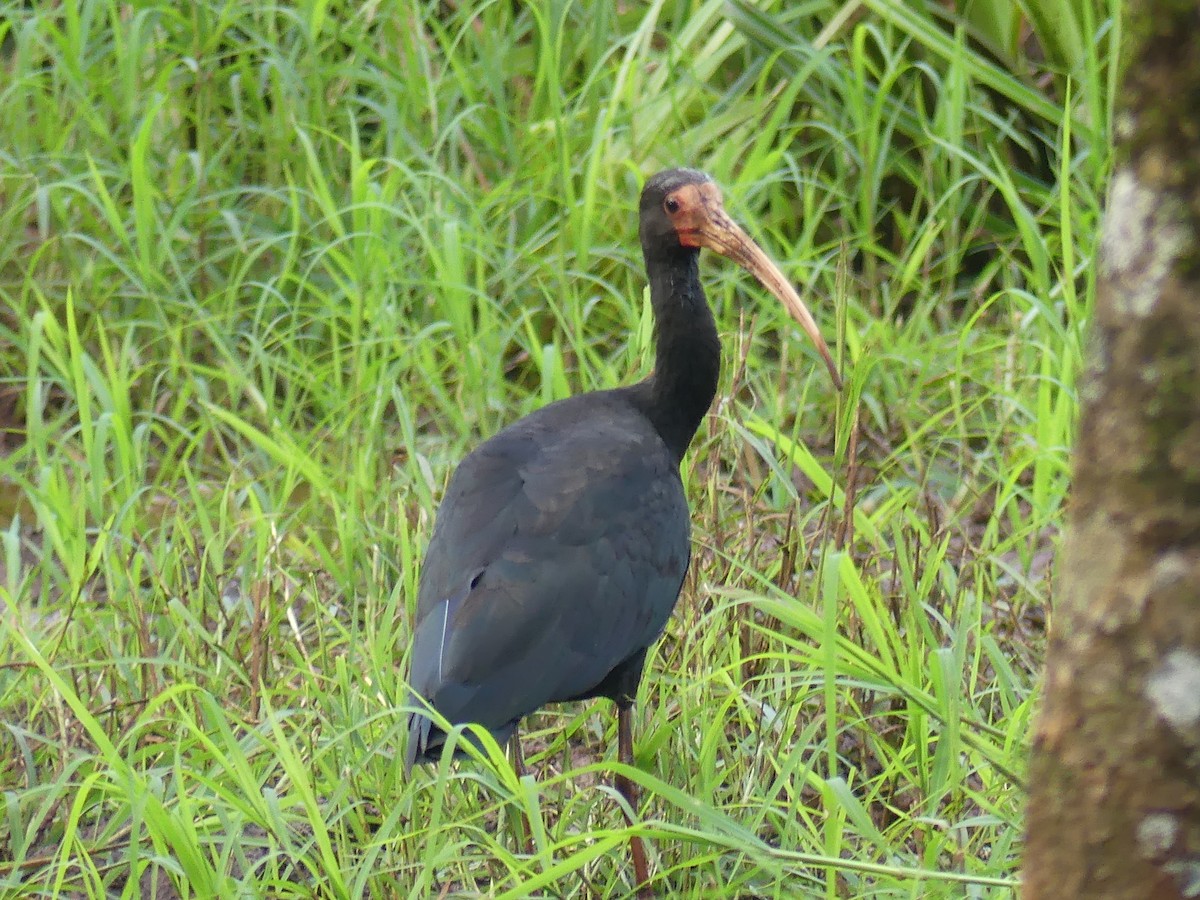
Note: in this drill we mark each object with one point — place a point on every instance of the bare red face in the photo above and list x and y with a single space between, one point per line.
693 208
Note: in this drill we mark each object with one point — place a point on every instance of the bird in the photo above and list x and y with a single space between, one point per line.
560 545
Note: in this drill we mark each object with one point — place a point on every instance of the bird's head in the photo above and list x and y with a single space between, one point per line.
681 210
670 209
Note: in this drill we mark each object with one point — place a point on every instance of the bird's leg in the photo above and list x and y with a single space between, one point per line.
641 872
518 761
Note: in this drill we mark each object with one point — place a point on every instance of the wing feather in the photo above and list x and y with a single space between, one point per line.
558 553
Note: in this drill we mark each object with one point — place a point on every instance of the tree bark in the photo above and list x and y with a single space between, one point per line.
1114 806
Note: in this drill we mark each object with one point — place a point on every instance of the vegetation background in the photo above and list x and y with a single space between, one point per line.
269 270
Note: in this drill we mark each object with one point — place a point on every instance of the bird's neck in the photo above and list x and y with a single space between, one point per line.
687 360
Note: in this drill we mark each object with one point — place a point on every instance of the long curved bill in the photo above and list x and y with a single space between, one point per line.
709 226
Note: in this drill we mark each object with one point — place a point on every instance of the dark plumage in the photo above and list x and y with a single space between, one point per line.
561 544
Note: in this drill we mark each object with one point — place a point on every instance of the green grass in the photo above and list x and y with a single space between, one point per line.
269 271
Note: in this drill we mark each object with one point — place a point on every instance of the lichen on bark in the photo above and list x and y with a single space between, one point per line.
1174 690
1145 231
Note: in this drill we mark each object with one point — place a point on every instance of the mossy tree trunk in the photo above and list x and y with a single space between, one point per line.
1114 807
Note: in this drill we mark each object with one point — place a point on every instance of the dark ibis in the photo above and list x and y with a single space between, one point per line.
560 546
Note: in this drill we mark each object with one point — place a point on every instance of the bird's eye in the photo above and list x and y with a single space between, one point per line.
671 205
